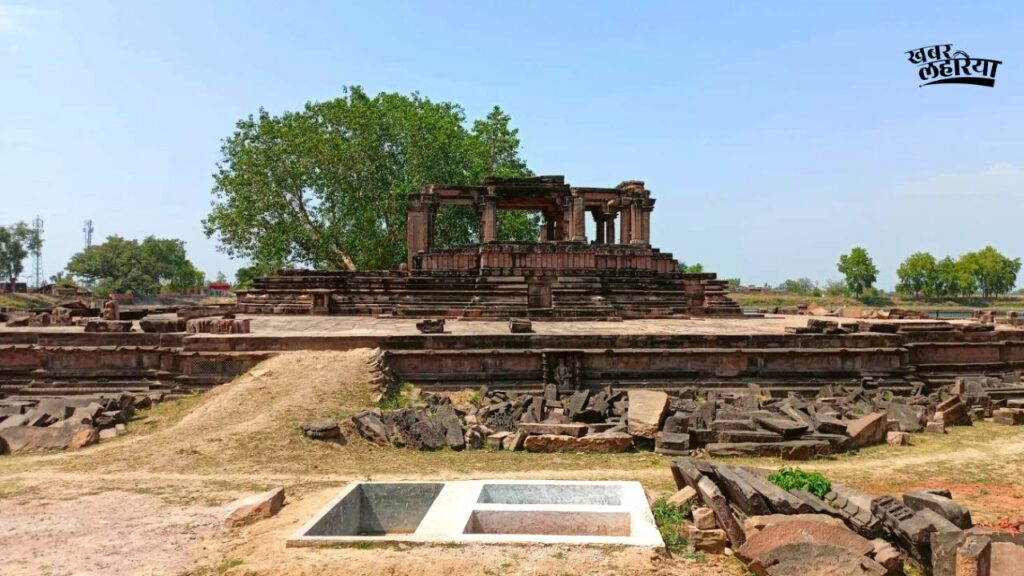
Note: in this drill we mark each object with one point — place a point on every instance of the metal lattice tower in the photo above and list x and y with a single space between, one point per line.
87 230
37 251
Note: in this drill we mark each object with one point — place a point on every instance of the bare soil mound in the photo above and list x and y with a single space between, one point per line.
253 421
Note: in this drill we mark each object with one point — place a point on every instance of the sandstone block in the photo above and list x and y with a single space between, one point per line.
646 410
254 508
704 519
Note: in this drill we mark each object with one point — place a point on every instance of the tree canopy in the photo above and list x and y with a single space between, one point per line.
16 241
127 266
858 269
986 271
800 287
327 186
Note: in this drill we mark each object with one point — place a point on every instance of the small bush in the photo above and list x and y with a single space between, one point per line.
402 397
794 478
669 519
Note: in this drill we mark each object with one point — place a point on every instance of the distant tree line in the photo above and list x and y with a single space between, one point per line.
987 273
124 266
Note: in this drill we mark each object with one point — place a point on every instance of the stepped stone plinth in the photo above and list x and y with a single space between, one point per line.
562 276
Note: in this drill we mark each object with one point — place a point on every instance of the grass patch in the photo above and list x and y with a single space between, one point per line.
670 520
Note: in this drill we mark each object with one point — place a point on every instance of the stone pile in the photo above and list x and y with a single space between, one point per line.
65 422
778 532
722 424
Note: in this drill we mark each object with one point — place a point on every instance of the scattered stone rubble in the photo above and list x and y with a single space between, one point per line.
744 423
776 532
32 424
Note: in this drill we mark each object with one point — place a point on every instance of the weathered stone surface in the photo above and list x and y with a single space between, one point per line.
784 426
370 426
704 519
672 444
321 429
905 417
19 439
454 435
496 441
253 508
520 326
811 559
888 556
754 524
935 428
897 438
431 326
1007 559
946 507
712 540
713 498
790 450
779 501
603 442
741 493
867 430
1008 416
108 326
685 496
974 557
952 412
780 533
646 411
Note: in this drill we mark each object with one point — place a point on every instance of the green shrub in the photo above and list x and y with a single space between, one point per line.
402 397
669 519
794 478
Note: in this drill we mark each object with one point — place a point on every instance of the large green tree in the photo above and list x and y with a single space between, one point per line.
993 273
16 241
119 265
858 269
917 275
799 286
327 186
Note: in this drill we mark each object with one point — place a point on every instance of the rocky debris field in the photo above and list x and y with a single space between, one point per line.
719 423
839 530
69 422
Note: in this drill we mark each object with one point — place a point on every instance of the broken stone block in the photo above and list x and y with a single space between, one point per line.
19 439
704 519
888 556
603 442
794 531
711 541
684 497
898 438
1008 416
646 410
944 506
520 326
496 441
952 412
431 326
1007 559
370 426
571 429
321 429
812 559
974 557
905 417
108 326
867 430
254 508
935 428
672 444
784 426
712 497
454 435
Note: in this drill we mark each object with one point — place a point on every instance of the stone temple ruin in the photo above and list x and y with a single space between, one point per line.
563 275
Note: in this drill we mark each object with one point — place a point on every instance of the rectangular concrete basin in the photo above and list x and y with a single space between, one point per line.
552 494
377 509
485 512
564 523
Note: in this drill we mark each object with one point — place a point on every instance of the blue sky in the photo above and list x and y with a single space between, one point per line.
774 135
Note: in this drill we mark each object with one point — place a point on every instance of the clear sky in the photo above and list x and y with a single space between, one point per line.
774 135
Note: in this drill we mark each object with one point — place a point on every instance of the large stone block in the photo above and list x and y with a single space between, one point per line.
646 411
253 508
867 430
946 507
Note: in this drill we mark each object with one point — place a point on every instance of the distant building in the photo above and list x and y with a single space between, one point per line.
218 288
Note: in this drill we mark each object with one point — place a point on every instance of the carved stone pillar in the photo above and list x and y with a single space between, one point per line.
626 225
579 217
489 227
636 223
609 225
645 220
417 228
599 227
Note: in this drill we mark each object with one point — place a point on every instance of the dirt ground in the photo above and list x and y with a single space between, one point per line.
151 502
